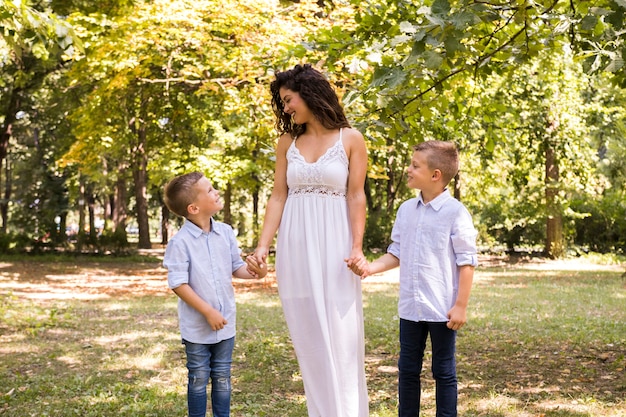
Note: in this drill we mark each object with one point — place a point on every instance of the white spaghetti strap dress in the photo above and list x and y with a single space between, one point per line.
321 297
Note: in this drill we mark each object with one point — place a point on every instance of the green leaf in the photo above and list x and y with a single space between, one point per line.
440 7
463 19
599 29
616 64
453 45
490 145
432 59
589 22
562 26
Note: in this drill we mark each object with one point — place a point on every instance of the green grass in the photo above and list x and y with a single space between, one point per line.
538 342
80 258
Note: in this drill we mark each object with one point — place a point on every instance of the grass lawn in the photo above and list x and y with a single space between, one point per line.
100 338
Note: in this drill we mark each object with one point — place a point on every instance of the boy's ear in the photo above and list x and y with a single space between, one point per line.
192 209
436 175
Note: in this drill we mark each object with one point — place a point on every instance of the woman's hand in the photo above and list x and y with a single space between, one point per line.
358 263
258 260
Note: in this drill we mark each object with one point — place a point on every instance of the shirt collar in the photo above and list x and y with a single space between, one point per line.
437 202
196 231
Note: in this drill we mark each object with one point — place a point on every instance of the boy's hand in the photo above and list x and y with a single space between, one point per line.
457 317
215 319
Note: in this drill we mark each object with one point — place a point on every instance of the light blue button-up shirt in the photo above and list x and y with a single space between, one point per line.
431 241
205 261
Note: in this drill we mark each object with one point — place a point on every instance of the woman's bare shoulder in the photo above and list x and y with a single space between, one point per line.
284 141
352 134
353 139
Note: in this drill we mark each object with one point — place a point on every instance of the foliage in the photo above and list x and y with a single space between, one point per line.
409 53
197 89
541 110
32 34
164 87
424 70
33 44
603 228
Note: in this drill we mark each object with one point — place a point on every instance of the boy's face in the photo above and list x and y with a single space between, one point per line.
207 201
419 175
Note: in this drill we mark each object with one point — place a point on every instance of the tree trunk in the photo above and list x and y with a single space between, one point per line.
120 204
255 210
62 230
554 247
165 222
140 175
5 136
391 178
228 196
255 199
457 186
80 234
4 202
91 202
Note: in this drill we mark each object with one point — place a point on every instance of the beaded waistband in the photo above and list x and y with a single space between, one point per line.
317 190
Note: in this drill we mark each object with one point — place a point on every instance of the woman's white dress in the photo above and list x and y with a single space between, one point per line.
321 297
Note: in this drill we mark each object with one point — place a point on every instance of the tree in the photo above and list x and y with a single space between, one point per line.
157 100
544 153
601 226
35 44
420 67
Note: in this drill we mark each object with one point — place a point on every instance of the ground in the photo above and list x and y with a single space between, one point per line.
99 280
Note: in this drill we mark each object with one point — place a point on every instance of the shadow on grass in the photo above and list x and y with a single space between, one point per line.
536 344
92 358
104 341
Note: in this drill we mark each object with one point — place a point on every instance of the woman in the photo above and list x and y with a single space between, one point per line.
318 200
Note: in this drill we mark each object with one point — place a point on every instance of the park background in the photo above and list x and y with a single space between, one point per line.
102 102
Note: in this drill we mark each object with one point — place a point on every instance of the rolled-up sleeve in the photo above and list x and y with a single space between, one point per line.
176 260
235 252
464 239
394 247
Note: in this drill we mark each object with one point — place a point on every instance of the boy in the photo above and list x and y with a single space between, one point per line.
434 243
201 260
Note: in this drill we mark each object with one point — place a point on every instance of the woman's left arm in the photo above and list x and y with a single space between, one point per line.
357 170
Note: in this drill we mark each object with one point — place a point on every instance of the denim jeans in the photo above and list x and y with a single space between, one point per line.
204 362
412 344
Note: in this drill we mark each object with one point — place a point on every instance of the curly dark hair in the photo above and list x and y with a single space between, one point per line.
316 92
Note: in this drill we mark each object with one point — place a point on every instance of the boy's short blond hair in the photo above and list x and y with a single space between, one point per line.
441 155
179 193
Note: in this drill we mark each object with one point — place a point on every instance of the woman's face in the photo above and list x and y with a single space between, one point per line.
294 106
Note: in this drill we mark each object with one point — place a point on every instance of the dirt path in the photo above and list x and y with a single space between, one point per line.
94 280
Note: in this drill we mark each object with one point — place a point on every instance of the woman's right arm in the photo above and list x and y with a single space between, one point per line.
276 202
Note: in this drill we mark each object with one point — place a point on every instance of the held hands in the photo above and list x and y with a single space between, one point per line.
257 262
255 268
358 264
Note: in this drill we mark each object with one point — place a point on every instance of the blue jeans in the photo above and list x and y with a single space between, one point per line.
204 361
412 344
